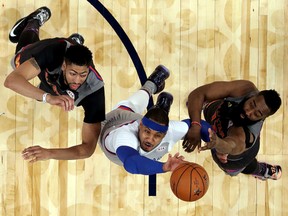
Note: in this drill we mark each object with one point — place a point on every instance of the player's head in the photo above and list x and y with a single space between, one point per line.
76 64
153 128
272 100
257 107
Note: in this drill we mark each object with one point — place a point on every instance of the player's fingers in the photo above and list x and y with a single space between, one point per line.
176 155
28 156
185 143
192 147
70 104
203 148
34 159
30 148
66 101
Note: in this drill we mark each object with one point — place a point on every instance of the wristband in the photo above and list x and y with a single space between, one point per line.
196 123
44 97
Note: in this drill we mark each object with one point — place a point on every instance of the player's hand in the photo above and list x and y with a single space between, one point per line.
35 153
173 162
192 139
213 141
64 101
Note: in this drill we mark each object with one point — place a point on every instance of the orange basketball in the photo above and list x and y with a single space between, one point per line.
189 181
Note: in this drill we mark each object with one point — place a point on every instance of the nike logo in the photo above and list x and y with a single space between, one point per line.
14 27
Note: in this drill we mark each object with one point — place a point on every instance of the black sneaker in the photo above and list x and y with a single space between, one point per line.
164 101
78 38
273 172
42 14
158 77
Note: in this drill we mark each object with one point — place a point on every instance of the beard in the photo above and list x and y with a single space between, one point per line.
236 113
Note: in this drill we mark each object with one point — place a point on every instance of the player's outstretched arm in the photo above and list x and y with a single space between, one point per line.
18 81
134 163
90 134
233 144
173 162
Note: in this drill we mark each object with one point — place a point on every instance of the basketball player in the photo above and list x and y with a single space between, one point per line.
236 111
138 143
67 79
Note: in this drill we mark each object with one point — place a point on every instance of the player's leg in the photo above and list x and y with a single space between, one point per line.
263 170
155 83
26 30
164 101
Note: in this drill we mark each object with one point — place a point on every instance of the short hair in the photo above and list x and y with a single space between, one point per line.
272 99
78 55
158 115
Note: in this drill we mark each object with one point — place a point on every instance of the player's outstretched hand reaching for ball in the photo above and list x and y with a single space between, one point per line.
173 162
213 141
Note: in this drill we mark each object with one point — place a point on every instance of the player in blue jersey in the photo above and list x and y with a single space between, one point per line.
138 142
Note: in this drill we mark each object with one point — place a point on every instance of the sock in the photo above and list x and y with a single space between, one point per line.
260 170
33 25
252 168
149 87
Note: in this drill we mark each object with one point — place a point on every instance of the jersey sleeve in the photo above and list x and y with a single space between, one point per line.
49 56
204 129
134 163
94 107
178 130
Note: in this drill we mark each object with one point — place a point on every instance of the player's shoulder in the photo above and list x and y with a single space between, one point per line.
177 128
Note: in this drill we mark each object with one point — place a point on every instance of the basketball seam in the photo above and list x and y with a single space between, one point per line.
181 176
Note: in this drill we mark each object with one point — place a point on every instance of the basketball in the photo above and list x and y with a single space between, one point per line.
189 181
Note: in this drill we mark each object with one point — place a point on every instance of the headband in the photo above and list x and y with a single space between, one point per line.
153 125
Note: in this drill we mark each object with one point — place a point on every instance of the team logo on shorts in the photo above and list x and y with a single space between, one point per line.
71 94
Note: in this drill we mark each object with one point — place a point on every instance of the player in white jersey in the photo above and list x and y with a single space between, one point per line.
138 143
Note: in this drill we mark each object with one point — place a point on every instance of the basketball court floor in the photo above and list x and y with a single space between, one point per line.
200 42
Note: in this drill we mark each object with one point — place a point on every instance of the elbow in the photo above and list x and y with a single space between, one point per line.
11 82
90 153
85 152
130 166
8 83
130 169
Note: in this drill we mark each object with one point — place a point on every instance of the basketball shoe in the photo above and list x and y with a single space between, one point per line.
78 38
158 77
42 14
273 172
164 101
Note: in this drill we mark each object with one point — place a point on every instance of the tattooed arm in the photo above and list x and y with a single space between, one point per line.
18 81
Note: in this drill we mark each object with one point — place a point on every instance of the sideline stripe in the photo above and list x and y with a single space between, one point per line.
135 59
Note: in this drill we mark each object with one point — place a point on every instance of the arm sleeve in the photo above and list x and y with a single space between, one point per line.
134 163
204 129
